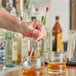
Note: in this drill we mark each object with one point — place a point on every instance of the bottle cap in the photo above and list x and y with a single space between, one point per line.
33 18
57 17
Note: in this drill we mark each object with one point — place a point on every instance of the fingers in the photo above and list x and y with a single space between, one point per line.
37 25
40 34
36 31
34 35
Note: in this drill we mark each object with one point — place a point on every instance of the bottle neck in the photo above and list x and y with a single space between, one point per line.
57 21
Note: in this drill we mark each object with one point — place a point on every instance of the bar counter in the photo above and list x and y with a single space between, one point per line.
70 71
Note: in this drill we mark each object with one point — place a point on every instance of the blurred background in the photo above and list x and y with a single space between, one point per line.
44 10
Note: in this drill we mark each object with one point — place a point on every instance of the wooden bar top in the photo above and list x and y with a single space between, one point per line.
70 71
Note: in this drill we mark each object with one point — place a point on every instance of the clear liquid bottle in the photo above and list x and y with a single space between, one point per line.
8 44
12 9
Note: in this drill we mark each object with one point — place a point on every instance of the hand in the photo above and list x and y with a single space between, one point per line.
33 30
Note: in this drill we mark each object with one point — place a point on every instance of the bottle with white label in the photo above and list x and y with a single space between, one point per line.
8 46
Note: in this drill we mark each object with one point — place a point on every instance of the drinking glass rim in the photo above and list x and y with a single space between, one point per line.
56 53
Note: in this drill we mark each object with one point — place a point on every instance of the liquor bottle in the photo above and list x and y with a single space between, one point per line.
12 9
7 5
57 36
11 42
18 7
2 48
21 8
26 14
8 47
32 8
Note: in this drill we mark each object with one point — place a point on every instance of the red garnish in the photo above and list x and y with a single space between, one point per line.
36 9
47 9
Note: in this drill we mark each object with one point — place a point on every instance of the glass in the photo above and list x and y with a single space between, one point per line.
38 68
56 64
71 49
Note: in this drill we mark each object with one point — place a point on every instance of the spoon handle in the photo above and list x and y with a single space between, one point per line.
31 52
34 46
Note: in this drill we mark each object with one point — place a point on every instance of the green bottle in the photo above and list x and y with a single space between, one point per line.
8 46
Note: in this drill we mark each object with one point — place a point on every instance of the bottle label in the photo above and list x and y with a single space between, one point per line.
14 51
59 42
2 52
25 47
19 49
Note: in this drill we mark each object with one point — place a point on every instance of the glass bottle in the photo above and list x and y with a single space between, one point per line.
21 8
11 51
7 5
8 45
18 8
2 49
57 36
26 14
12 9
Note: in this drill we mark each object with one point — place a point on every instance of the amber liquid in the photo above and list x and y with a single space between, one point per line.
56 67
18 59
33 72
